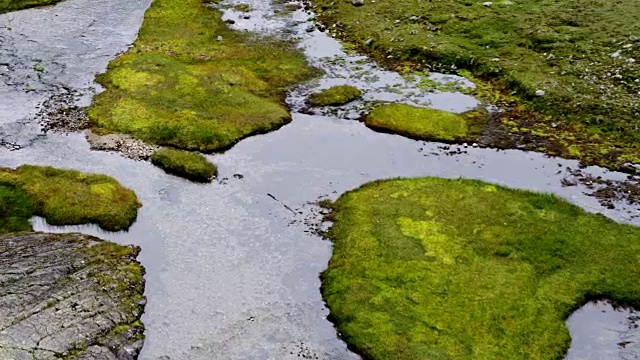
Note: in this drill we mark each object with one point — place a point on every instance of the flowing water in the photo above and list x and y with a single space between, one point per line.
232 273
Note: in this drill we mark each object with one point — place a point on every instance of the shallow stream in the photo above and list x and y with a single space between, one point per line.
232 273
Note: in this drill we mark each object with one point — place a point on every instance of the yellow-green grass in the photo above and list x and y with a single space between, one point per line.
64 197
13 5
431 268
189 165
418 123
335 96
181 87
580 53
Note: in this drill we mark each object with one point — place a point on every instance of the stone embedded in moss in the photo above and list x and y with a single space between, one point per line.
418 123
335 96
189 165
70 296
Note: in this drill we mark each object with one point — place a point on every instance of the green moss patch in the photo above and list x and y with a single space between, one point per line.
418 123
196 84
64 197
335 96
192 166
13 5
458 269
575 64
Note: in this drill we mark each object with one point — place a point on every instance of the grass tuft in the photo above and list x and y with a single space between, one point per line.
335 96
432 268
64 197
181 87
418 123
192 166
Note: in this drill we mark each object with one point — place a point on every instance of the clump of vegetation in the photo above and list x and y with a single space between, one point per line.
418 123
196 85
64 197
14 5
243 7
461 269
192 166
335 96
573 67
15 210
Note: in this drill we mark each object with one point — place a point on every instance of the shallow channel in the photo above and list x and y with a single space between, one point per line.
231 272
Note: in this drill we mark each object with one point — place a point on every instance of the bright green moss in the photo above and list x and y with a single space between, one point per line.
417 123
181 86
459 269
65 197
13 5
192 166
335 96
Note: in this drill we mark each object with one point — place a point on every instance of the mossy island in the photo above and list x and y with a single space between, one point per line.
189 165
565 73
63 197
462 269
335 96
427 124
196 85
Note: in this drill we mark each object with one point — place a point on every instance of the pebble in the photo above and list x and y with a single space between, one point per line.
219 38
615 55
414 18
495 59
540 92
368 42
357 2
487 3
631 60
551 57
413 32
397 22
633 38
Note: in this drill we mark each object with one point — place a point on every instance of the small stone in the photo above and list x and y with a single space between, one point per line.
495 59
540 92
551 57
487 3
414 18
474 145
357 2
219 38
615 55
631 60
368 42
413 32
397 22
633 38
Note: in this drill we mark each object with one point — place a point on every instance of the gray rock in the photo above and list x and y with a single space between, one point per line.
540 92
487 3
219 38
64 292
615 55
368 42
633 38
357 2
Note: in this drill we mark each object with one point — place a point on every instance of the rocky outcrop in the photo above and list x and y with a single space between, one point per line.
69 296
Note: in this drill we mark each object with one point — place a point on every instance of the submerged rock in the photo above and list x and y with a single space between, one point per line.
69 296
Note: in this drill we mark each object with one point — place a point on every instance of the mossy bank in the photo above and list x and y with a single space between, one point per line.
196 85
431 268
14 5
567 73
63 197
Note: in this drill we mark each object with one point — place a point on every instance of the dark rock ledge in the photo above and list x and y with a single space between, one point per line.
69 296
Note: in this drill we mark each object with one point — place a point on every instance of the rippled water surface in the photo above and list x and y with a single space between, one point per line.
231 272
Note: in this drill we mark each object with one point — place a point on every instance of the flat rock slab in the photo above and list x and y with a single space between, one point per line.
69 296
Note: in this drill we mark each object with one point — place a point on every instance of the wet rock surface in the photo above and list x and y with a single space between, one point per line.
63 296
